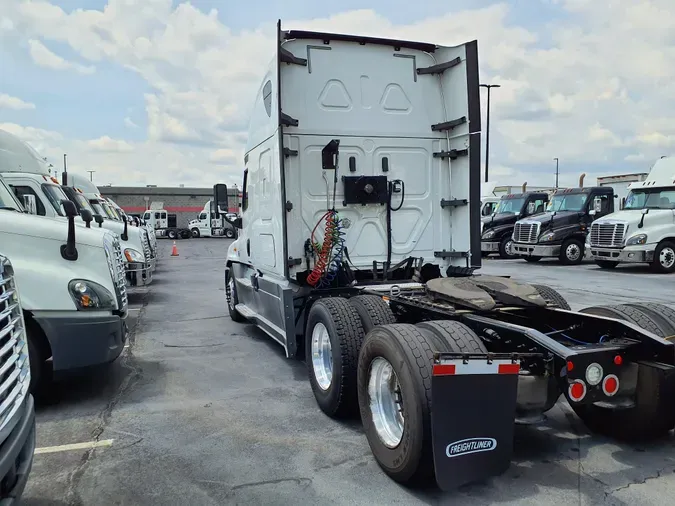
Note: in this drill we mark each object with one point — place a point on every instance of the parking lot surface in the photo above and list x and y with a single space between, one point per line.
200 410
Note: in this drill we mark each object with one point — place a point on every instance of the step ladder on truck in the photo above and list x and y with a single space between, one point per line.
362 258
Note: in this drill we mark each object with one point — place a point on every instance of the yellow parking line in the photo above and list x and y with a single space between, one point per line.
74 446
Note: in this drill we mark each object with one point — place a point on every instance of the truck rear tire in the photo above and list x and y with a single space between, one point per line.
552 297
372 310
232 299
606 264
171 234
333 339
652 415
572 252
660 313
394 392
229 233
664 258
454 336
506 248
627 313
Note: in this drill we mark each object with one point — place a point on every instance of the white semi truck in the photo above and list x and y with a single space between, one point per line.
211 223
358 240
163 223
644 230
72 286
17 410
139 254
620 184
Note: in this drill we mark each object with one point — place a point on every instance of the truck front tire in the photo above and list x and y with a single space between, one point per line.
572 252
333 339
664 258
232 299
195 233
394 392
506 248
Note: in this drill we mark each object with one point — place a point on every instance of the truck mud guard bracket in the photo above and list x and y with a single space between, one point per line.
287 57
287 120
453 154
448 125
473 399
453 203
439 68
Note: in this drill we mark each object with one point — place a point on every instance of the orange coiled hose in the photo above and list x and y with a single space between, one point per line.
324 253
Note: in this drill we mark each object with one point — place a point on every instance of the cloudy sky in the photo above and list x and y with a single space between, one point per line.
158 91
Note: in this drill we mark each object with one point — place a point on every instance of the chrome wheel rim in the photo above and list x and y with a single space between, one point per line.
573 252
230 284
386 404
322 356
667 258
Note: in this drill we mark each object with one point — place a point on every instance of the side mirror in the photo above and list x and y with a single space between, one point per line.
68 250
236 223
98 219
30 203
220 197
87 216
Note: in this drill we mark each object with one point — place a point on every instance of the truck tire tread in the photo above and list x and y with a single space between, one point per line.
341 399
457 337
633 315
409 347
552 297
372 310
660 313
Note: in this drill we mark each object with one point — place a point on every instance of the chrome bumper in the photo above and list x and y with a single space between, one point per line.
138 274
536 250
489 246
630 254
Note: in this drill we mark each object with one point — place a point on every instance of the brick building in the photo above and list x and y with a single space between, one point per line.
185 203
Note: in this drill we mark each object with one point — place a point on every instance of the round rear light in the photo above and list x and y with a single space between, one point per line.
570 365
594 374
618 360
577 390
610 385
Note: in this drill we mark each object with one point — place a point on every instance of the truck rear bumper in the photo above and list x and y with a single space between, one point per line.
16 455
489 246
632 254
83 340
536 250
138 274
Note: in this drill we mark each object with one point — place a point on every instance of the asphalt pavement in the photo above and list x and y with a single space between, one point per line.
200 410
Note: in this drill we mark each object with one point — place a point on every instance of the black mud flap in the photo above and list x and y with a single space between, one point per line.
473 402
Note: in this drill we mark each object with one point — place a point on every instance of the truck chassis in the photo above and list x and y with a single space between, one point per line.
440 371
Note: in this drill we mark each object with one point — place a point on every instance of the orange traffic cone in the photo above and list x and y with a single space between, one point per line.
174 250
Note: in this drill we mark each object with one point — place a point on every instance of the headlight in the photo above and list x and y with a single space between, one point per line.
133 256
489 234
90 295
637 239
548 236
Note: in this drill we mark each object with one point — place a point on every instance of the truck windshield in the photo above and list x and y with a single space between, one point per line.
97 208
567 202
652 198
55 195
8 200
510 206
109 212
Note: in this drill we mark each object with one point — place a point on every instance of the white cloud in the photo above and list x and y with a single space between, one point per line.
107 145
130 123
44 57
596 91
9 102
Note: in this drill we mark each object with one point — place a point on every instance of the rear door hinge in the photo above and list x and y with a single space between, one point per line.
287 120
289 205
453 154
453 203
448 125
287 57
440 68
292 262
290 152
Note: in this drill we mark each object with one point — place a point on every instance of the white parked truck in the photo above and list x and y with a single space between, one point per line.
211 223
359 237
163 223
72 286
17 410
644 230
138 252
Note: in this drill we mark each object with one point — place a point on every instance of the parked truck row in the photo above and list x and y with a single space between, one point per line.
63 289
361 258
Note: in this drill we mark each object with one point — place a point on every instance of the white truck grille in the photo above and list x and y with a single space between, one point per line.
119 278
14 362
526 232
146 245
608 234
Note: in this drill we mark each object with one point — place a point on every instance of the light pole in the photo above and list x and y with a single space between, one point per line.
487 139
556 172
91 175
